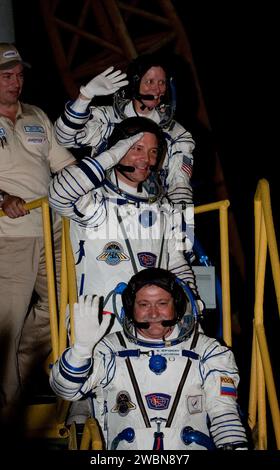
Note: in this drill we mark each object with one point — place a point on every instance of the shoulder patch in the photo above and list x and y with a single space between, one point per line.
227 386
34 128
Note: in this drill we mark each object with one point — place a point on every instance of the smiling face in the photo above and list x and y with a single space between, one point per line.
142 155
11 83
152 83
153 305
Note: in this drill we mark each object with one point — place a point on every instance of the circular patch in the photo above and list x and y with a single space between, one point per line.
147 218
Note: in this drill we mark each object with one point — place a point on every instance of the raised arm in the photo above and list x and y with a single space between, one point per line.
81 124
70 191
72 375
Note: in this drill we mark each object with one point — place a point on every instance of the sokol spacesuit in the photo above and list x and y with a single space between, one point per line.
153 97
153 392
117 230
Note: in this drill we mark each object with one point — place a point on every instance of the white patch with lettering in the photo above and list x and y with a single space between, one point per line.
34 128
36 140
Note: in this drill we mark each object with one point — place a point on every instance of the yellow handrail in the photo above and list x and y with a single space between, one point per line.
71 273
50 277
91 437
43 204
47 420
222 207
29 205
263 196
261 369
64 295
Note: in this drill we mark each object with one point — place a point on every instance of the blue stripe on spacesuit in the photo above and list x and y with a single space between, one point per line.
69 367
210 354
109 366
129 197
190 354
75 185
129 353
64 184
118 201
227 428
220 371
67 187
80 252
90 174
71 124
70 377
97 165
78 213
74 113
72 373
82 283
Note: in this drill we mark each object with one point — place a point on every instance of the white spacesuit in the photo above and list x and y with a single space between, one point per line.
83 125
116 230
171 393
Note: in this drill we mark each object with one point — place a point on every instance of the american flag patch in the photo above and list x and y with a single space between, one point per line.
187 165
228 387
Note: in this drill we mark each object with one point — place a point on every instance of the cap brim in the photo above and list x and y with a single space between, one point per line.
13 63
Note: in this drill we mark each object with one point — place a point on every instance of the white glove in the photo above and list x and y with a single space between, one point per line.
87 329
111 157
106 83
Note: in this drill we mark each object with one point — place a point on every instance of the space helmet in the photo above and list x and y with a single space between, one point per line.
185 306
135 72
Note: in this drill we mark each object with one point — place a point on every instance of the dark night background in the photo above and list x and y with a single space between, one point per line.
234 50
